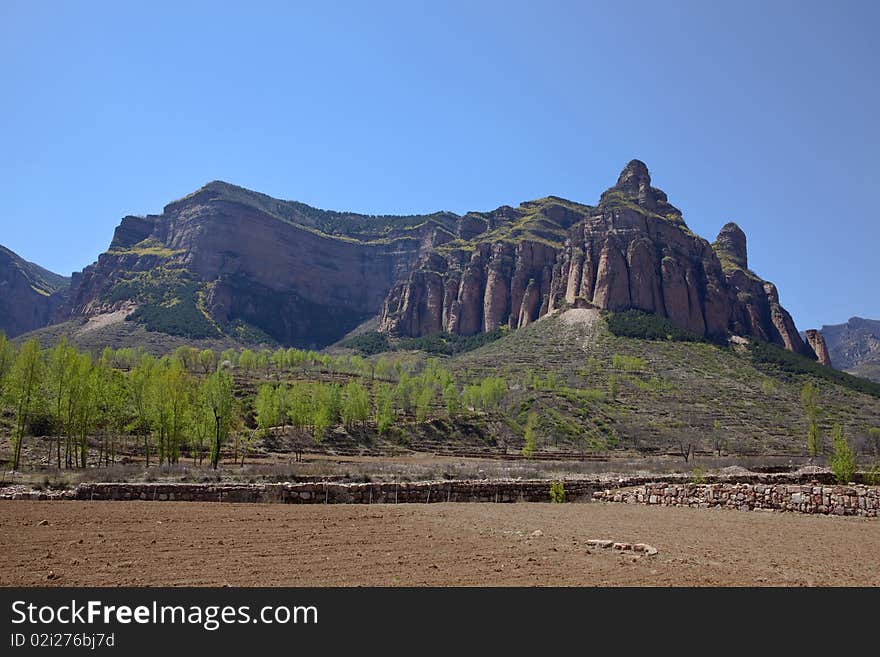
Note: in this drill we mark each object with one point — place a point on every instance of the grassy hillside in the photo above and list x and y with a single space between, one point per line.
565 386
592 387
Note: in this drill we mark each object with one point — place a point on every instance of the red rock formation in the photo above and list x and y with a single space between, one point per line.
817 342
631 251
272 264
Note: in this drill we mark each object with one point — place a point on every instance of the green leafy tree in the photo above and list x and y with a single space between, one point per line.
247 360
139 382
180 401
266 411
59 374
23 389
207 360
217 391
451 399
492 392
557 492
814 439
159 401
531 435
87 392
7 358
843 461
424 400
810 405
114 409
874 441
384 404
355 405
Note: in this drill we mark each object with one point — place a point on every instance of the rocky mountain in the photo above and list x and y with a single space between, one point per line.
226 263
29 294
855 346
633 250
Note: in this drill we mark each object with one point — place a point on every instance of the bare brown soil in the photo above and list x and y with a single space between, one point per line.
179 543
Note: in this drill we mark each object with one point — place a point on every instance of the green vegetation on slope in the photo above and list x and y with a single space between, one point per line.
447 344
169 301
647 326
790 362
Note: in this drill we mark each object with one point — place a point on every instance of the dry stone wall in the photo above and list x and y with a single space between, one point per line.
325 492
855 500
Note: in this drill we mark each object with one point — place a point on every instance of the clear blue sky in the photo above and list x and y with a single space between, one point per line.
765 113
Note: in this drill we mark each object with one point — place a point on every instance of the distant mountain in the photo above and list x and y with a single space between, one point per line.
29 294
855 346
228 264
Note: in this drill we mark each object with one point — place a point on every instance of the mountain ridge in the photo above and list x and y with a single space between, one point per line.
29 294
228 262
854 346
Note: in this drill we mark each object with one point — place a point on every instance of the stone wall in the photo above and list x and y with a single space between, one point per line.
326 492
855 500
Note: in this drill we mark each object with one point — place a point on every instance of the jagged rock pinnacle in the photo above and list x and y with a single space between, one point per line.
634 174
635 181
731 244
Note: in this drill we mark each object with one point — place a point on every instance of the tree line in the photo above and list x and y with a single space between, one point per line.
185 403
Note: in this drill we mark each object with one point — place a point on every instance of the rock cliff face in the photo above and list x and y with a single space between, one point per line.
632 250
817 343
224 257
29 294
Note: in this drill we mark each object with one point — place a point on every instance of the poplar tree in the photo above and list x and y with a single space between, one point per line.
218 398
23 387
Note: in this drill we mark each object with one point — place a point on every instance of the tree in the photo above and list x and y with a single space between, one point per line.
810 404
451 399
207 360
612 386
424 399
114 410
718 439
843 461
187 356
874 441
23 389
384 402
492 391
7 358
86 405
814 440
266 408
247 360
355 405
531 436
159 400
59 374
139 392
217 390
179 385
472 396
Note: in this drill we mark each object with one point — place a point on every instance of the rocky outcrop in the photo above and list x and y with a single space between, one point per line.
817 343
633 250
730 246
29 294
